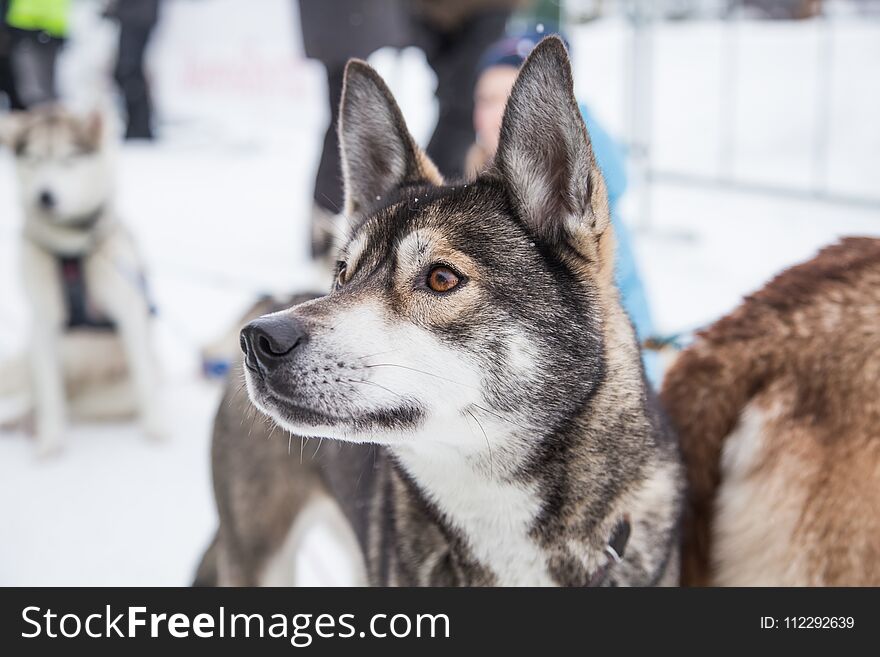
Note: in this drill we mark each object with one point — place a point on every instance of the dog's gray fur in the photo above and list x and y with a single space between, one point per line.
493 435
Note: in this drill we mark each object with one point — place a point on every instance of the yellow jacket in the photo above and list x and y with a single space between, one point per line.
50 16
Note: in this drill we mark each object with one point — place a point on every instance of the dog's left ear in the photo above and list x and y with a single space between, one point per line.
378 153
11 129
544 152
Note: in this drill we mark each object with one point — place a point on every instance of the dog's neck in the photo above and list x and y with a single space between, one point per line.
486 509
486 501
77 236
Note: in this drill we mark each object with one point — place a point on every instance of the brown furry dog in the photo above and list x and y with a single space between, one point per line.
778 411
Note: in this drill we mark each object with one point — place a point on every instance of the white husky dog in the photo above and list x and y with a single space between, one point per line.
90 355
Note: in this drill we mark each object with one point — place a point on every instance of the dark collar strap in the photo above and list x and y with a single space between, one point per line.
619 538
614 551
86 221
88 229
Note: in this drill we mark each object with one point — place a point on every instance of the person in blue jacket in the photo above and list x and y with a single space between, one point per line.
497 73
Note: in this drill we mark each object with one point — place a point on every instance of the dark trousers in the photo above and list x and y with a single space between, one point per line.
454 56
132 81
328 182
7 72
7 83
31 69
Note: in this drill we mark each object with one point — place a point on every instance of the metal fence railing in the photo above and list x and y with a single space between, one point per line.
642 18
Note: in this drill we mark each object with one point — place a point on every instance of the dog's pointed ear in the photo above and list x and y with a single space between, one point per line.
378 153
95 126
12 127
544 152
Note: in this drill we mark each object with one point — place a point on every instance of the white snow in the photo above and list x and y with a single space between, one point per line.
220 207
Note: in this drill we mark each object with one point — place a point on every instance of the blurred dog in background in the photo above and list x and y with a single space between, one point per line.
90 355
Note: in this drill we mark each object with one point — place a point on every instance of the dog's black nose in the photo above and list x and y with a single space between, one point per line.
46 199
270 341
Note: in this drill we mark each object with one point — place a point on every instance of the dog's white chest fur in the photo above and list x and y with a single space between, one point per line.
493 516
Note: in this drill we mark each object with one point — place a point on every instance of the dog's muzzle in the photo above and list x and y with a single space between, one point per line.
272 341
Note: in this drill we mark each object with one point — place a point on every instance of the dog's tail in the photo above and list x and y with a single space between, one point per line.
206 573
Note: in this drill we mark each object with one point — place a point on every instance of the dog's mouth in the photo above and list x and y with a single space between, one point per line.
84 222
320 418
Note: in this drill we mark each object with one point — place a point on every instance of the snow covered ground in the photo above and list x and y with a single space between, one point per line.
220 207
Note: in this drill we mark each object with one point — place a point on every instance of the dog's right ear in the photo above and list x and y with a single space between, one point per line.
378 153
544 152
11 130
94 129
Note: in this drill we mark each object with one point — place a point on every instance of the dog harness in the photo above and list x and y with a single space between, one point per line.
81 313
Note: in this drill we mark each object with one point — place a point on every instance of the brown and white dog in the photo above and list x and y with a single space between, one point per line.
777 407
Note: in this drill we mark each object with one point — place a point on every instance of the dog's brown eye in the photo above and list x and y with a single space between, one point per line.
443 279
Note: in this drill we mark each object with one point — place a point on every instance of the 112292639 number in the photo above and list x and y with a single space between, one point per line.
818 622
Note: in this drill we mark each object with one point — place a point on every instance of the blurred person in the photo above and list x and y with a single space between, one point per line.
137 21
7 76
38 30
452 33
496 73
334 32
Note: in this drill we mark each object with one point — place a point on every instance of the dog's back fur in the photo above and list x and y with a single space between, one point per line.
778 410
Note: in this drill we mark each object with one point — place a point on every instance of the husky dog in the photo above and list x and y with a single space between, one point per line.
90 354
778 410
480 382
